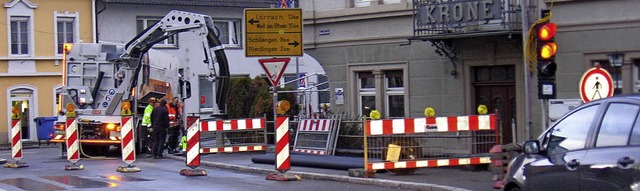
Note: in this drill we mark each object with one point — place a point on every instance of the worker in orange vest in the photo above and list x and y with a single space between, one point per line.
174 125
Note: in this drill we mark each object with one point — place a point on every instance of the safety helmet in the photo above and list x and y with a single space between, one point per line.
152 100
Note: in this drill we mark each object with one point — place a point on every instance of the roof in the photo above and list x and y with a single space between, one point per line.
214 3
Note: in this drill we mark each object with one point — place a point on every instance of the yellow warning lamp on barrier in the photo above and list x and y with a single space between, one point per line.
126 108
429 112
374 114
282 107
67 47
482 109
15 112
71 110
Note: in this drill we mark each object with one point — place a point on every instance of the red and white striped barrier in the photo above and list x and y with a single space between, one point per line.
234 124
428 163
73 144
193 148
311 151
71 134
233 149
395 129
195 126
438 124
283 159
323 125
193 142
16 145
16 139
128 143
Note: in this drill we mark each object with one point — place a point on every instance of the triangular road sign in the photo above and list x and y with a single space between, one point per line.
274 67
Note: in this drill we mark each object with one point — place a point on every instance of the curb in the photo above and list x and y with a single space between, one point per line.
339 178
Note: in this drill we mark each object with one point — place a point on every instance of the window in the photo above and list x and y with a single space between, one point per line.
395 93
571 133
635 135
616 125
206 93
616 75
19 35
367 96
57 107
323 96
143 23
289 82
366 3
65 31
228 31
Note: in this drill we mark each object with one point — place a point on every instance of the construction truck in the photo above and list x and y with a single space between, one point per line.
104 82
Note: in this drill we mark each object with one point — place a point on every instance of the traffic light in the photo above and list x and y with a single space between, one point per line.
546 59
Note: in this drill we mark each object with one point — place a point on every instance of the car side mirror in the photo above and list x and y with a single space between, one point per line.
532 147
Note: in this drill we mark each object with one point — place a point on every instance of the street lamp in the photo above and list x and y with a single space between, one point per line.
616 58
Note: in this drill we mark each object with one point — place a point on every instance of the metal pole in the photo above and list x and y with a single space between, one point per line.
297 82
527 98
275 110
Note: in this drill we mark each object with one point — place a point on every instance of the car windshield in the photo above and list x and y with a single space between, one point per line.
570 133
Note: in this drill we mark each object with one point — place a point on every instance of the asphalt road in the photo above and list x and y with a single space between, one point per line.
46 172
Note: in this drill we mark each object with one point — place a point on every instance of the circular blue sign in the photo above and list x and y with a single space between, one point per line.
112 91
105 104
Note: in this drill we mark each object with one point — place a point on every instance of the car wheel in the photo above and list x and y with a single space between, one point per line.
513 188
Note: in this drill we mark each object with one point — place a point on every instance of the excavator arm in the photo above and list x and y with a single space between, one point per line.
173 23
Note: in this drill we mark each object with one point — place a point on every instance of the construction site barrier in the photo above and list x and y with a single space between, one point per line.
128 146
73 146
409 143
317 136
193 142
283 157
16 139
16 145
216 136
236 135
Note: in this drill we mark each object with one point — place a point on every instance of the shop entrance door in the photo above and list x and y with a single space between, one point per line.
23 100
495 88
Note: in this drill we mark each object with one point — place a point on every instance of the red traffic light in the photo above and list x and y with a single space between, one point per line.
547 31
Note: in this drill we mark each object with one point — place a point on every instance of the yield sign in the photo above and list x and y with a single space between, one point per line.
274 67
595 84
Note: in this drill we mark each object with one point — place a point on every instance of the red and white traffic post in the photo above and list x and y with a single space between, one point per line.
283 157
16 145
73 144
193 148
128 146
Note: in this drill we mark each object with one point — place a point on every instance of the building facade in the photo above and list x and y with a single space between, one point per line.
587 40
30 61
402 56
121 20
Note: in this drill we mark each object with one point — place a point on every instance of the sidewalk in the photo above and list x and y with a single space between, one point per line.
449 178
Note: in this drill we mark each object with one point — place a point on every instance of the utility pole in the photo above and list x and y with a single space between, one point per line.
527 106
